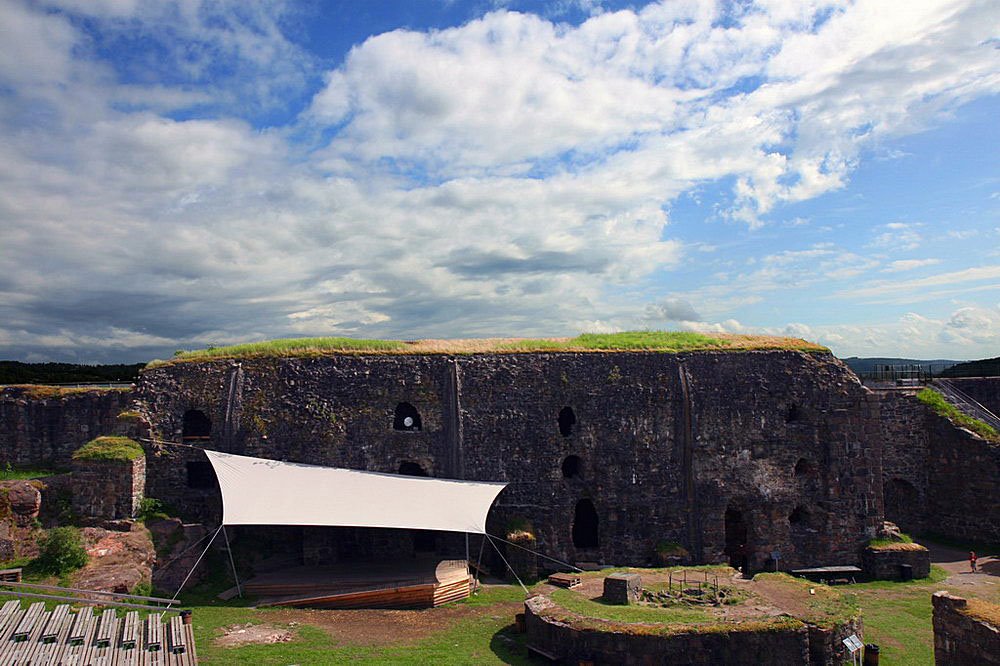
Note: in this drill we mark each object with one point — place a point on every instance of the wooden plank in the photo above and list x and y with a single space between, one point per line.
11 575
24 648
154 632
568 580
28 621
83 625
50 652
107 628
54 625
131 633
177 643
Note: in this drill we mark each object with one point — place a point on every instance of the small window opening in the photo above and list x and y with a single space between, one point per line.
567 419
800 517
805 467
410 468
793 414
200 474
572 467
407 418
585 533
197 426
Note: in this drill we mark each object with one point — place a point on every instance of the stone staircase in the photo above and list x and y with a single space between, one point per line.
965 403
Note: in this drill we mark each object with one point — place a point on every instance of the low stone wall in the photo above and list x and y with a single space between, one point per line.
108 489
960 638
796 644
887 564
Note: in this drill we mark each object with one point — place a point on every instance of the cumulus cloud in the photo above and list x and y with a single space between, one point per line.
510 175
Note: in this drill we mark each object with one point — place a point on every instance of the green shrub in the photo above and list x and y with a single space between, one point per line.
61 551
151 508
109 448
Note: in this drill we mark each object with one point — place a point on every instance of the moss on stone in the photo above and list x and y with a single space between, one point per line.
109 448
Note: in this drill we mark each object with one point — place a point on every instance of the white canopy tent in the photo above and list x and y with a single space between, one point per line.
256 491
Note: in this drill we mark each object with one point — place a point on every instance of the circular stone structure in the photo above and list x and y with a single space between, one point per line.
694 616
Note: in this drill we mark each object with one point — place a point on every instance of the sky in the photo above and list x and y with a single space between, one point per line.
177 175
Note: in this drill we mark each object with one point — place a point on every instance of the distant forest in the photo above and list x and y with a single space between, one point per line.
15 372
987 367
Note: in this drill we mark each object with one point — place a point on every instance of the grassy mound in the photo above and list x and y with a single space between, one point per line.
647 341
109 448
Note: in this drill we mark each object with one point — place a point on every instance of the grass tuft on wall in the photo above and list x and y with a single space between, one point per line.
942 407
109 448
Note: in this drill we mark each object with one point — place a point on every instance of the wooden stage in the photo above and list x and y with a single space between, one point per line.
422 583
62 637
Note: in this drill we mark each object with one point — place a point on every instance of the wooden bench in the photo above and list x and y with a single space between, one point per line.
55 623
29 620
154 632
11 575
564 579
130 634
106 629
177 640
83 626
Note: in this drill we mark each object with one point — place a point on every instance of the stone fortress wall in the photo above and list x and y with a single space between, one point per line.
607 454
783 451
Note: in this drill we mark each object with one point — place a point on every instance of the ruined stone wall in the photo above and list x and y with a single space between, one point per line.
108 489
984 390
962 501
797 644
42 427
961 639
665 444
906 474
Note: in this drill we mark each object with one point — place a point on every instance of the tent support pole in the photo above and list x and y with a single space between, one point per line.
508 565
479 562
197 562
232 563
466 552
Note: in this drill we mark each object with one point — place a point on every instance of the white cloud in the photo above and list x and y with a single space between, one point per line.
508 175
909 264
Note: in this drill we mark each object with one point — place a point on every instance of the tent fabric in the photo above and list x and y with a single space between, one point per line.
256 491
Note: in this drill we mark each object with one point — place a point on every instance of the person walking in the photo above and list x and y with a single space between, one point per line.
972 560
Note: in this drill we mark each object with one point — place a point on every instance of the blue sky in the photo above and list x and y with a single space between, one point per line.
182 174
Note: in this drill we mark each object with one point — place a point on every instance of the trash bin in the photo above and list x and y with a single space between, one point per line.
871 654
905 572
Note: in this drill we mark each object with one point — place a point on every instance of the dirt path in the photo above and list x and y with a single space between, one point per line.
984 584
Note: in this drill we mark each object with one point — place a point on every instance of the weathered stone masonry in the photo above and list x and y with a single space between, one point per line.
45 428
784 443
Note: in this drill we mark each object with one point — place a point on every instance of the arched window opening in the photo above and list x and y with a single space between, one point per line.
410 468
585 533
407 418
567 419
572 467
737 549
200 474
902 505
793 414
805 468
196 427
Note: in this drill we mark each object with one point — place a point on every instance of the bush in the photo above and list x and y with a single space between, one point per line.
61 551
151 508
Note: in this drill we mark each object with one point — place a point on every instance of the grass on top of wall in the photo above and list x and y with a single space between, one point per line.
657 341
109 448
937 402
